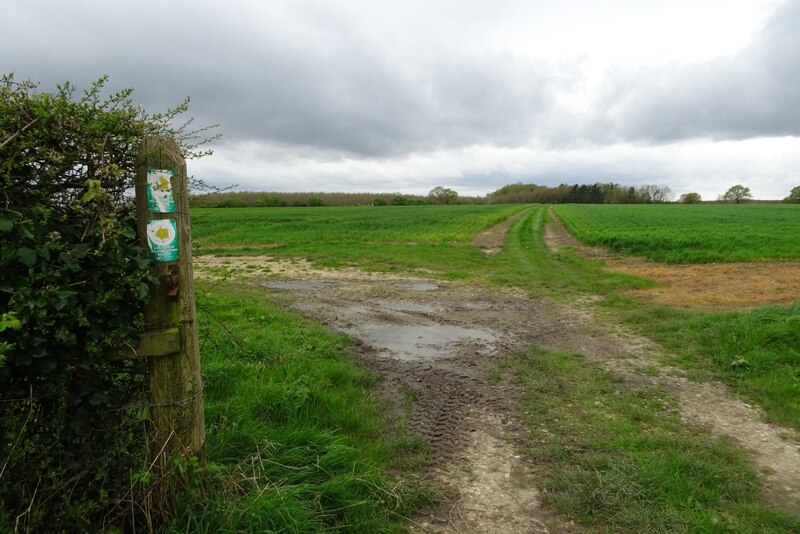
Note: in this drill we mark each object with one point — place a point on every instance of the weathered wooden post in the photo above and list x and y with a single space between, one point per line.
171 340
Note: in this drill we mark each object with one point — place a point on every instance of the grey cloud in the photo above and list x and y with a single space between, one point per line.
304 75
307 74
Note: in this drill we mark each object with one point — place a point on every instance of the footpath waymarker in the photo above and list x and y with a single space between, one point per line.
159 191
170 341
162 238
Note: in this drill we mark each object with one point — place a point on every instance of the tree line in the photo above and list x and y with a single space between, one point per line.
519 193
598 193
249 199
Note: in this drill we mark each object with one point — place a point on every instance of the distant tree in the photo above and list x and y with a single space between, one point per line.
662 193
443 195
399 200
379 201
794 195
315 201
655 194
737 194
690 198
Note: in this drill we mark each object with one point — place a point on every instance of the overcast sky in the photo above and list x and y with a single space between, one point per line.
367 95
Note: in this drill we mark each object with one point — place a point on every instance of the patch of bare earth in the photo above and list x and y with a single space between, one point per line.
704 287
434 344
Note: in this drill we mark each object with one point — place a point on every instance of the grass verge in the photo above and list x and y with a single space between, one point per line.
757 352
619 459
294 437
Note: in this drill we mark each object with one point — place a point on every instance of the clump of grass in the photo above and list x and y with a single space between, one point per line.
622 461
294 436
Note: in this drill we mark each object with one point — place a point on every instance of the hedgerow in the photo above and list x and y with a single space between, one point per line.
73 280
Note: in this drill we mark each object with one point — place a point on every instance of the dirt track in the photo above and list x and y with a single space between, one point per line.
435 342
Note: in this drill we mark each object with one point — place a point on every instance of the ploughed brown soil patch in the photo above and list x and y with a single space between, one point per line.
705 287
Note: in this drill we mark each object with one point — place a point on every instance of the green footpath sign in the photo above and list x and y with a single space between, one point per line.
162 236
159 191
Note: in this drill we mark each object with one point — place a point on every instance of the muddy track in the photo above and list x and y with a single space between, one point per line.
436 343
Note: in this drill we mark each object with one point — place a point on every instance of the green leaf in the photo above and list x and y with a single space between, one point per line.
27 256
9 321
45 365
6 223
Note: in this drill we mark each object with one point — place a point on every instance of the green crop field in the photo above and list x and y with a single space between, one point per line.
364 224
383 238
678 233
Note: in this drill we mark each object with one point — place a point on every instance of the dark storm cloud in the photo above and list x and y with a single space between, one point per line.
292 76
754 93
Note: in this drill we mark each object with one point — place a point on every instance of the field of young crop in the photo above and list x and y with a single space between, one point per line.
380 238
364 224
678 233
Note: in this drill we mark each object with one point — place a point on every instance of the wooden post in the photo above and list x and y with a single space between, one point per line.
171 340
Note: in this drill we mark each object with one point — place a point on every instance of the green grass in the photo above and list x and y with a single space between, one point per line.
708 342
291 395
680 233
294 435
618 458
386 238
525 262
757 352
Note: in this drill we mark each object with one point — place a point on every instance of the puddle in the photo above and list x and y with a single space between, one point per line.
423 342
405 306
294 286
418 286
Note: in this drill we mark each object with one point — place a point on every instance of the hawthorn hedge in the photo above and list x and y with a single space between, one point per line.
73 281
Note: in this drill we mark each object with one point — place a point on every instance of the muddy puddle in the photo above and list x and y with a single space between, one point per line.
399 306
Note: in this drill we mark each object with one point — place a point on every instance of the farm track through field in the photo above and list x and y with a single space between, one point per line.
434 344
